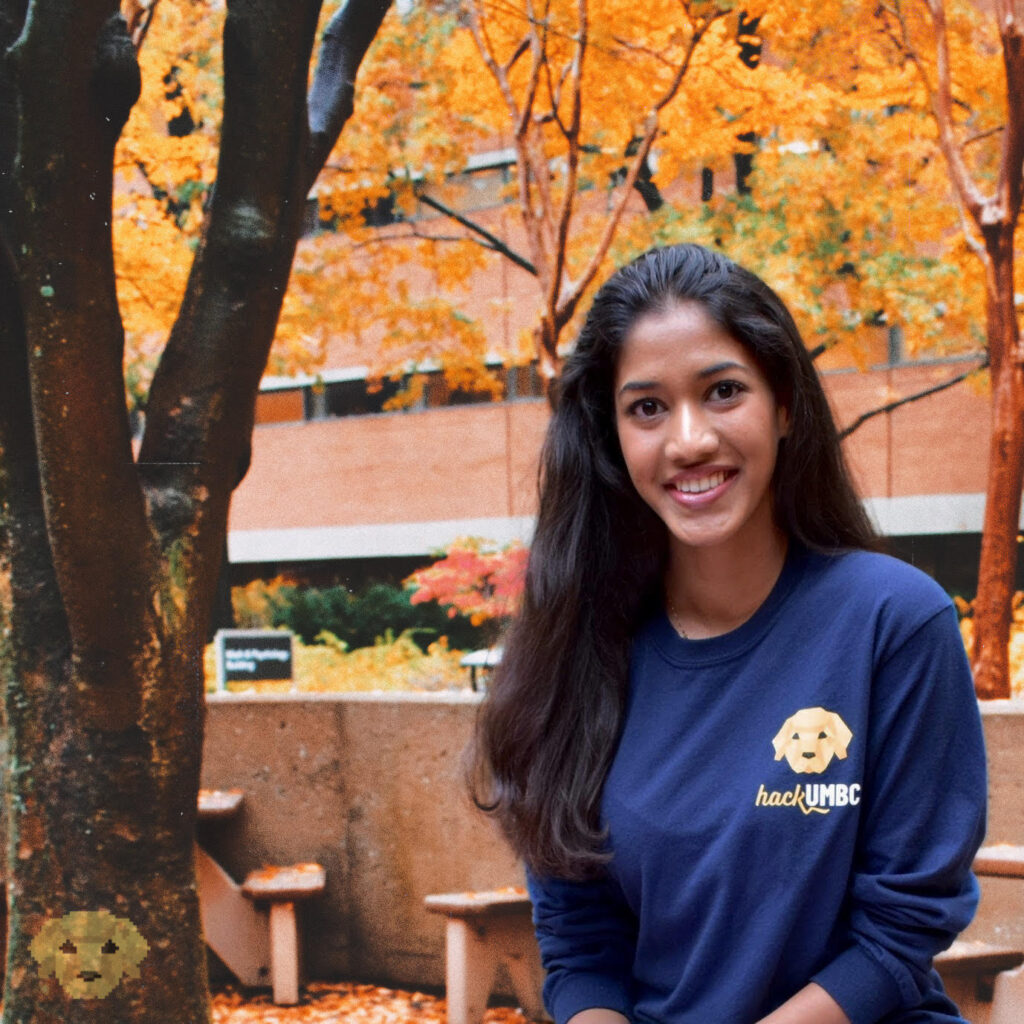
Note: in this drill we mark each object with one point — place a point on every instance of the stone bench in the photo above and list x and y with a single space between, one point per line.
281 888
987 979
980 962
485 930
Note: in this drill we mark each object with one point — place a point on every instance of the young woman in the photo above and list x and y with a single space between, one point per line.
738 750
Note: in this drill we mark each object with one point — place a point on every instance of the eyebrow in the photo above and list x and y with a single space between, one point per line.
708 371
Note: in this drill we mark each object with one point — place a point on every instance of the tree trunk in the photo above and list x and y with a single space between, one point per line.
114 561
998 564
103 706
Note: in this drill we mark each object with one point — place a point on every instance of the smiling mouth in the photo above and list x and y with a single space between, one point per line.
701 485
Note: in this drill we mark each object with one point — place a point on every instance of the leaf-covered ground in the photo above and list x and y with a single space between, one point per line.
360 1004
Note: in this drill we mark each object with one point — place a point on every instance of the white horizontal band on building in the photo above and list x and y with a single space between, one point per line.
911 515
377 540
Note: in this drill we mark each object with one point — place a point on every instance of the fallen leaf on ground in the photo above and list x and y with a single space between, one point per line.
321 1002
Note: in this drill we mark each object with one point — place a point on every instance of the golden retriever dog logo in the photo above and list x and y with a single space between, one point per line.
809 740
88 952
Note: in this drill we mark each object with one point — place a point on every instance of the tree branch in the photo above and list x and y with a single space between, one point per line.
1011 164
70 118
199 418
493 242
917 396
942 105
572 138
345 42
39 617
138 15
531 165
574 292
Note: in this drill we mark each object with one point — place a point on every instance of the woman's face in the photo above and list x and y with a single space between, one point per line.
699 429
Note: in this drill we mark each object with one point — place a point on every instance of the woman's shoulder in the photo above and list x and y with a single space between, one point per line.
870 578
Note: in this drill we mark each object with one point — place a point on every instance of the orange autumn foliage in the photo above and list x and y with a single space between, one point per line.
327 1004
475 578
165 165
850 213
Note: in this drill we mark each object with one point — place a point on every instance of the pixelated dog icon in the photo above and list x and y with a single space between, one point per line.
89 951
809 740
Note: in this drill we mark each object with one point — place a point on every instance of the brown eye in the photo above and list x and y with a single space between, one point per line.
725 390
110 946
644 408
69 947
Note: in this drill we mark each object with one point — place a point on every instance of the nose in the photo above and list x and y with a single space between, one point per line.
692 436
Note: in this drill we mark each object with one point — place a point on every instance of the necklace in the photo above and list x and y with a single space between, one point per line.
674 617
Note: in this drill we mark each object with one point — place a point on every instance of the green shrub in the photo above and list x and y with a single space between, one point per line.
355 620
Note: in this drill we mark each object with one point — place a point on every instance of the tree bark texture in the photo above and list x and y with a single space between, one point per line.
994 216
114 560
997 220
997 568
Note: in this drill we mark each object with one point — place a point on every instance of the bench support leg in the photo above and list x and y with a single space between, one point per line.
284 953
469 972
515 945
474 951
234 929
1008 997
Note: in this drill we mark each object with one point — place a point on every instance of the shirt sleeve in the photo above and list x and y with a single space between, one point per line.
587 939
912 890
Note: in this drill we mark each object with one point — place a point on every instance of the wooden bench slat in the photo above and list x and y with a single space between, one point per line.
471 904
1000 859
965 957
295 882
219 803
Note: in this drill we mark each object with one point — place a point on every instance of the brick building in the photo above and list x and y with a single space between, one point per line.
340 490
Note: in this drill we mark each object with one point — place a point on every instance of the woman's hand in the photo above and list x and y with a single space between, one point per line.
598 1015
811 1005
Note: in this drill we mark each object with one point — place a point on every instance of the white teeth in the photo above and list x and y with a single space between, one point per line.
706 483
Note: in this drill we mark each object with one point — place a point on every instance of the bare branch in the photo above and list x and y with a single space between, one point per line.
531 165
573 293
978 136
478 28
492 241
345 42
627 44
523 47
539 57
572 138
942 105
967 227
916 397
138 15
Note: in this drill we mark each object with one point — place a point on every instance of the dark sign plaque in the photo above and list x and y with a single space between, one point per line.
253 655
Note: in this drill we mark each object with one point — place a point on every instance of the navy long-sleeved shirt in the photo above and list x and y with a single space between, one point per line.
799 799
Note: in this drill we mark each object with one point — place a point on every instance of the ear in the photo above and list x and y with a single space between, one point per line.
842 734
782 738
782 420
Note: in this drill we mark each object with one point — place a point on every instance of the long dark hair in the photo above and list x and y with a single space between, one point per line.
547 732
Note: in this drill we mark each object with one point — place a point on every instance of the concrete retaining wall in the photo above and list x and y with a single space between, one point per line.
1001 914
370 786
